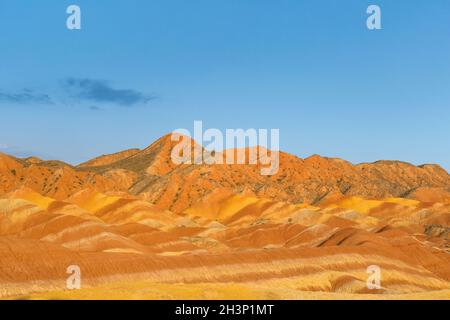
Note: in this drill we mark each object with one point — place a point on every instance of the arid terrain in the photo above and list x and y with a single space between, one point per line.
141 227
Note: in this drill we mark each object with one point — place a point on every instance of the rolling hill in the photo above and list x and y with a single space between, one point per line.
140 226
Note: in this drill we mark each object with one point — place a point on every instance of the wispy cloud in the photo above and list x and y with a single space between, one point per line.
100 91
22 153
25 96
88 91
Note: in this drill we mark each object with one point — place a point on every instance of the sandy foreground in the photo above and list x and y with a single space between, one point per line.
143 290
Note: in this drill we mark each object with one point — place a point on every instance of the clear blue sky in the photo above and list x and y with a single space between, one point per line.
139 69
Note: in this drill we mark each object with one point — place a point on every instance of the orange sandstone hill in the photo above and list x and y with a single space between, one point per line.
140 226
151 174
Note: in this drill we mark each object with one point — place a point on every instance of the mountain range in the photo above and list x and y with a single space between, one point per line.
137 222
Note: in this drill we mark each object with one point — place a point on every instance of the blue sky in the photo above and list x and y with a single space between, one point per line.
139 69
